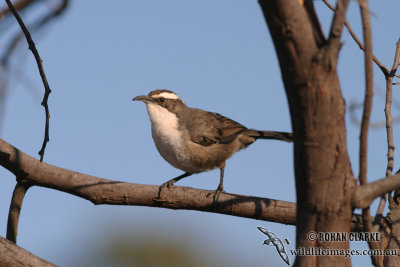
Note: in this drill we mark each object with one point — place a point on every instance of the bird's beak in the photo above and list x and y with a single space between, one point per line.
143 98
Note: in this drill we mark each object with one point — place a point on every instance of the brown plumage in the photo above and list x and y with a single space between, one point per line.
195 140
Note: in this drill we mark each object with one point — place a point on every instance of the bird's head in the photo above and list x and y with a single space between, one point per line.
161 102
157 97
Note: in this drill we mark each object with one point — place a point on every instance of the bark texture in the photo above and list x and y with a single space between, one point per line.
324 180
12 255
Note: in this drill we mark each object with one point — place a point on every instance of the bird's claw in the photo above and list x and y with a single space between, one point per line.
217 193
165 185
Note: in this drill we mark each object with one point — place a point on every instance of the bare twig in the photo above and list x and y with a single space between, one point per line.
368 93
365 194
12 255
366 23
19 5
396 59
34 26
389 133
389 83
47 92
337 25
15 207
384 69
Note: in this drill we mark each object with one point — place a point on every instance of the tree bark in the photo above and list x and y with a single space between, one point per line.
12 255
324 180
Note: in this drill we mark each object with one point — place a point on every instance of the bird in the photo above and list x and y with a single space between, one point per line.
194 140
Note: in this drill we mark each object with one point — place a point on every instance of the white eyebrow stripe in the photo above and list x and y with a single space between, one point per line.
166 95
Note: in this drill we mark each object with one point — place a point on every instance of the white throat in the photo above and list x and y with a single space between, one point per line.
166 135
163 121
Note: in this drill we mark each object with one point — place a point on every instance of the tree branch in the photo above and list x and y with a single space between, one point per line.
369 91
383 68
47 92
15 208
12 255
365 194
19 5
396 61
104 191
337 27
389 133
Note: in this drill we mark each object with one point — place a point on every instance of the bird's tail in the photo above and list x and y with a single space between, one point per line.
283 136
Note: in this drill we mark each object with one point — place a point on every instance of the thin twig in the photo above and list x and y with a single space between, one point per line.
389 132
19 5
390 154
389 83
383 68
368 95
15 208
47 92
366 23
337 26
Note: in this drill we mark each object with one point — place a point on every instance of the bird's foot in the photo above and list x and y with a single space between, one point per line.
165 185
219 190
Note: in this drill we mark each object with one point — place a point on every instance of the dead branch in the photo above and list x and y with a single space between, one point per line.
337 26
15 208
19 5
383 68
47 92
14 256
389 132
104 191
369 91
368 94
365 194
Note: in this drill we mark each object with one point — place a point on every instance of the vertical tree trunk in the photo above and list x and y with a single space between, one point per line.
324 180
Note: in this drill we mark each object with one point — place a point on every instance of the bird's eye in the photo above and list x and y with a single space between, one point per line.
162 99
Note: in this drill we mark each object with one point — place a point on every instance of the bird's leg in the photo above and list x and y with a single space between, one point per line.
171 182
221 180
221 184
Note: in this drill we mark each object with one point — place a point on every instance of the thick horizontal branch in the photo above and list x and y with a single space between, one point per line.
104 191
365 194
13 255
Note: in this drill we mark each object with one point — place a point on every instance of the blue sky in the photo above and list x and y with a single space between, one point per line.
216 55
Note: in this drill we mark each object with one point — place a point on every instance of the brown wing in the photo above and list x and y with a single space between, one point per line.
207 128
